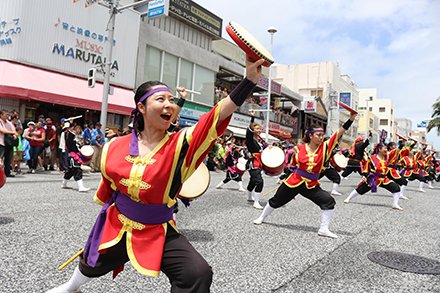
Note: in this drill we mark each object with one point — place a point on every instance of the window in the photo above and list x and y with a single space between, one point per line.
186 72
370 98
170 70
370 109
381 109
152 64
204 83
383 122
371 123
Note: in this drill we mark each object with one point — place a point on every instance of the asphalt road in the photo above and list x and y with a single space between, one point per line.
41 226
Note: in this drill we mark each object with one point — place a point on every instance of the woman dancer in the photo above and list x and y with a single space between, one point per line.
255 145
142 175
309 159
377 169
232 172
357 156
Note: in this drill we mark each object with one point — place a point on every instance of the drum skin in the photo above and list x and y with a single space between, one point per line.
339 162
241 165
273 160
86 152
197 184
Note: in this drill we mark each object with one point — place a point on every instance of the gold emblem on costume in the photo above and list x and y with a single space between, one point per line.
133 183
130 223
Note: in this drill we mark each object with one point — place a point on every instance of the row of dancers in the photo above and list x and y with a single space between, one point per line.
388 165
143 173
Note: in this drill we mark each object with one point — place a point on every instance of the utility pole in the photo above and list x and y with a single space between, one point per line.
113 10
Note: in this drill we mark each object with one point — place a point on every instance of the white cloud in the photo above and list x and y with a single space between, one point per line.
390 45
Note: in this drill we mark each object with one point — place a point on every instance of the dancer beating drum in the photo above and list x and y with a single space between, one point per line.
255 145
232 172
309 159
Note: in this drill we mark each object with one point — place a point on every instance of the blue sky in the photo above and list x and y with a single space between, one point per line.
391 45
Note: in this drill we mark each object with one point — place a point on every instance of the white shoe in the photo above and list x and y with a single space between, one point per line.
346 200
399 208
258 221
345 178
403 197
242 189
335 192
422 190
327 233
83 189
257 205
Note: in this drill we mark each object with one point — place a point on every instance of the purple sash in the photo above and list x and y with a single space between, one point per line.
405 169
305 174
139 212
372 180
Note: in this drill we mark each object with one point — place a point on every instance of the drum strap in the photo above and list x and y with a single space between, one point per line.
136 211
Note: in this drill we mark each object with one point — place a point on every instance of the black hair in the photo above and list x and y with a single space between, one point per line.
390 145
307 134
140 92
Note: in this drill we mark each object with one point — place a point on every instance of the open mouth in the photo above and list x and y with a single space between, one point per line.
166 117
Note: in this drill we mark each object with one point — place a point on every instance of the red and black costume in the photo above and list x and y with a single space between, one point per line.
136 222
304 179
357 156
255 146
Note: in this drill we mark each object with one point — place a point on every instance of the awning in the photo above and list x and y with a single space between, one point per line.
26 82
241 132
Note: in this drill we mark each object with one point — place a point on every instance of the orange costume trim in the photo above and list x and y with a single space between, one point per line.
153 179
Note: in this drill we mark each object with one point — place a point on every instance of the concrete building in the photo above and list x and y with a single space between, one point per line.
383 109
49 48
323 82
404 126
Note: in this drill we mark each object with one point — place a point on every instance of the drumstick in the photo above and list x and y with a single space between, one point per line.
189 91
71 259
73 118
270 191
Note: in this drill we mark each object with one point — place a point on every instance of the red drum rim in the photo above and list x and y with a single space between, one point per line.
249 44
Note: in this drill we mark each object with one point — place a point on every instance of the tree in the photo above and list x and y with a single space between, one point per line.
435 121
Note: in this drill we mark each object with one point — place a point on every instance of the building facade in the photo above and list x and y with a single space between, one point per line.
323 82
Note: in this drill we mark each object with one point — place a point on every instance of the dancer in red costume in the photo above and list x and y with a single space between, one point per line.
142 174
310 160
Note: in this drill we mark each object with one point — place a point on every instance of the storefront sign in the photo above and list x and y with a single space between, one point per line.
197 16
243 121
263 83
310 105
345 98
64 36
158 8
9 29
193 111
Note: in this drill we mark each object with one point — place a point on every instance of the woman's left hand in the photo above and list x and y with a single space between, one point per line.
182 92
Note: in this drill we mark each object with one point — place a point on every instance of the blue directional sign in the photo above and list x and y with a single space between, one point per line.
158 8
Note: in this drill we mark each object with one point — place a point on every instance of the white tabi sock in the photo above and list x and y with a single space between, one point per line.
73 284
240 186
421 184
325 222
257 204
352 195
396 197
266 212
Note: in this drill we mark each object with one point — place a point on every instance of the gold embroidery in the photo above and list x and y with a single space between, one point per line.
138 184
130 223
311 163
136 160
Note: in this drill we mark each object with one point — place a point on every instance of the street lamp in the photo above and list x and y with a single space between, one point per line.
271 30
